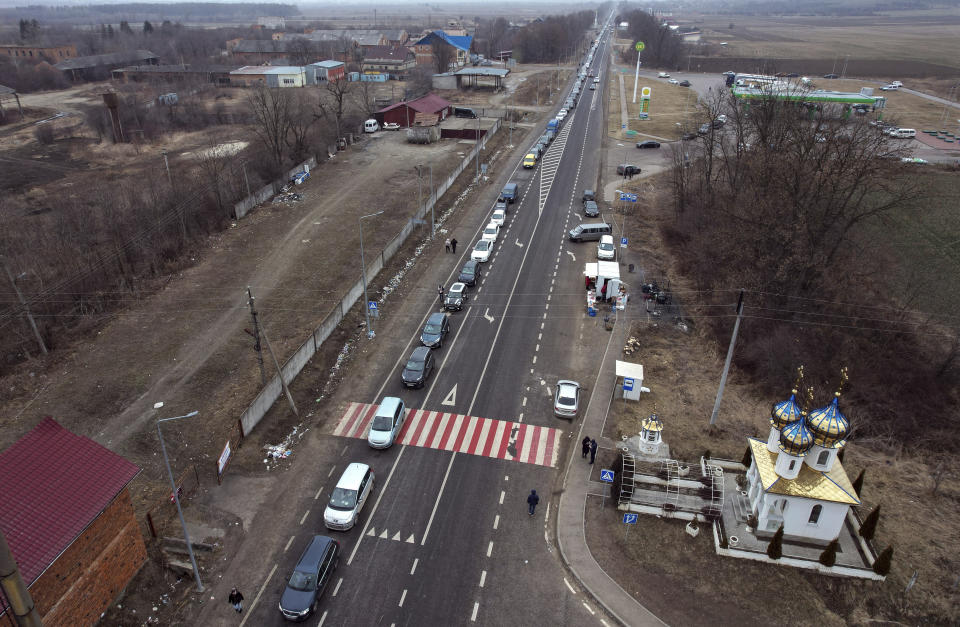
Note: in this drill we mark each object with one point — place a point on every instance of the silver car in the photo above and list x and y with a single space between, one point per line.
566 399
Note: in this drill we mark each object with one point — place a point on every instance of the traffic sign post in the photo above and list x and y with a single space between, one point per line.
623 242
628 519
606 475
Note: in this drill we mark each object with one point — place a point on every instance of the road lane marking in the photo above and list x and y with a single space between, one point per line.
473 617
496 521
402 597
413 568
490 549
260 592
289 542
437 502
502 495
483 577
487 316
589 609
336 588
443 363
383 490
317 495
572 591
451 397
305 514
332 468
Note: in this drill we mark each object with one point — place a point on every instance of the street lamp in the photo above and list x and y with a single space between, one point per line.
176 498
363 275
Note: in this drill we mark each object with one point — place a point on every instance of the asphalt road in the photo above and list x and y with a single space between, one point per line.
445 537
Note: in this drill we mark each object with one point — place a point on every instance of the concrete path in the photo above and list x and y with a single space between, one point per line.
624 114
571 536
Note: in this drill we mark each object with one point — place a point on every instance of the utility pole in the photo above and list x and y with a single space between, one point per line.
477 161
25 613
286 390
726 365
245 179
166 162
419 168
256 337
26 308
433 205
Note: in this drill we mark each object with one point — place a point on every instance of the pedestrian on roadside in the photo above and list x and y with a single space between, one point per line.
453 245
593 450
532 501
447 244
586 446
440 292
236 600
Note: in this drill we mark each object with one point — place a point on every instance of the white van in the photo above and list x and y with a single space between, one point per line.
347 499
605 249
903 133
371 126
387 422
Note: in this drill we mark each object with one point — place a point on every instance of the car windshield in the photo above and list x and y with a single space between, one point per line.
466 272
606 246
490 230
303 581
382 423
343 499
482 245
414 364
455 293
432 327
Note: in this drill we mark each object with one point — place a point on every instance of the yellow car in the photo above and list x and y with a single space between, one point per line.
530 161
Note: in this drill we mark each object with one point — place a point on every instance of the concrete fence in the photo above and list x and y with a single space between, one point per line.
292 367
266 192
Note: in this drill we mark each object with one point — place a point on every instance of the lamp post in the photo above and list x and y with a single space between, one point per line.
176 497
363 275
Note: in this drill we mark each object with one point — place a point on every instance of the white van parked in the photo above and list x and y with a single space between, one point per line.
903 133
371 126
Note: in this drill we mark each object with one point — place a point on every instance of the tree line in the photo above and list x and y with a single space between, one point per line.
553 38
195 11
662 46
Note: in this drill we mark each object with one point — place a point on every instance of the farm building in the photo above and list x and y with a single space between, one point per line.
216 74
269 76
403 113
323 71
52 54
393 60
67 516
98 66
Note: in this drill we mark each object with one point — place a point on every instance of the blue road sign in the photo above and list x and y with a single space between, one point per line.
372 305
628 197
630 519
606 475
623 242
627 384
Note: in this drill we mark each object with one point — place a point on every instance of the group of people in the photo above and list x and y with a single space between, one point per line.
451 245
589 446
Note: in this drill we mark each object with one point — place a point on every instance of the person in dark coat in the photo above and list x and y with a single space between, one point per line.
586 446
593 450
453 245
440 292
236 600
532 501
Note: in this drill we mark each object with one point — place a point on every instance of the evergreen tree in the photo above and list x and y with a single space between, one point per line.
882 565
109 31
147 27
829 555
747 456
775 548
869 526
840 455
125 27
858 483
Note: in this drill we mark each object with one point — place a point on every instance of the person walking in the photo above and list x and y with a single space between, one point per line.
586 447
440 292
593 450
532 501
447 244
236 600
453 245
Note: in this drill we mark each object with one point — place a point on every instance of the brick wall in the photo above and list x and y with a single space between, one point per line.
94 570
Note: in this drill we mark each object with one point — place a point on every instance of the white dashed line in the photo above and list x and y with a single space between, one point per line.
473 617
413 568
336 588
289 542
404 596
490 549
572 591
483 578
496 521
305 514
589 609
502 495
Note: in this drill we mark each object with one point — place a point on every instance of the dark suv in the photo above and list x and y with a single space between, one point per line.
590 209
626 169
310 578
470 273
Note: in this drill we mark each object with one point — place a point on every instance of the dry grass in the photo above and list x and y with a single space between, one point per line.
906 109
670 105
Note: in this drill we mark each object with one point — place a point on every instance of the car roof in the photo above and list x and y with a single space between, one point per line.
566 382
458 287
311 556
606 239
352 474
436 316
420 352
470 264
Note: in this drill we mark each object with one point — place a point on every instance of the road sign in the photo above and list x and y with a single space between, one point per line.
606 475
622 126
623 242
372 305
627 384
629 197
640 46
630 519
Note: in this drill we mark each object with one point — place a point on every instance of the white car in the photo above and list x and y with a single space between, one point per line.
673 81
566 399
499 217
561 115
596 80
663 75
490 232
889 88
564 111
605 249
481 252
391 126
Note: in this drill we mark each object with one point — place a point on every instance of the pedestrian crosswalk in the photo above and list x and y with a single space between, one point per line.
500 439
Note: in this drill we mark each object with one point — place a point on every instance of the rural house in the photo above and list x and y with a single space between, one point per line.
403 113
269 76
52 54
424 48
323 71
393 60
67 515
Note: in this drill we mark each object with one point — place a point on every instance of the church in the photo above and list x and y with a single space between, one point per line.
795 477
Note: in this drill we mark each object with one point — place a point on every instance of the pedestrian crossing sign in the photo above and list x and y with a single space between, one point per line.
606 475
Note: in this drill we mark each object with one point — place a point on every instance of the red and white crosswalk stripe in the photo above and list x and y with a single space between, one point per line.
472 435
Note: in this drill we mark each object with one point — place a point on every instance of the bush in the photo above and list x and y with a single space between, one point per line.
882 565
775 548
44 134
829 555
869 526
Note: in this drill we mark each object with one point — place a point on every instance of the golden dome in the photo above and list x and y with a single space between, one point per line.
828 425
653 423
785 412
796 438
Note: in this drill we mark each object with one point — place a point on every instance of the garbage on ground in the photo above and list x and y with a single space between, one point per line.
158 405
283 450
288 197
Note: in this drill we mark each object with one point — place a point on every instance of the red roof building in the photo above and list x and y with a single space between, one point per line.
67 516
403 113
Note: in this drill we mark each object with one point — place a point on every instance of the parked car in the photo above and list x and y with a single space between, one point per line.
663 75
704 129
688 136
434 330
530 161
566 399
596 80
684 83
589 194
456 297
499 216
831 76
628 169
418 367
351 492
310 577
606 249
889 88
673 81
482 250
648 144
491 231
593 87
391 126
590 209
470 273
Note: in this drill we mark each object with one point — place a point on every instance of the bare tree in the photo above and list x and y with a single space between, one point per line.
302 123
366 98
333 101
271 109
302 51
443 55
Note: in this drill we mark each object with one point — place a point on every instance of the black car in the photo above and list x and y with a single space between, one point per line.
418 368
310 578
589 194
435 330
648 144
684 83
470 273
793 75
688 136
627 169
590 209
455 297
831 76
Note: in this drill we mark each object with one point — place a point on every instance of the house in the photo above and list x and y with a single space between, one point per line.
795 478
690 37
323 71
51 54
67 515
424 48
397 37
393 60
99 66
272 22
260 50
269 76
216 74
403 113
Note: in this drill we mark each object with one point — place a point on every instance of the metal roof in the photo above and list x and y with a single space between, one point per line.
256 70
110 58
482 71
457 41
7 90
328 64
55 484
